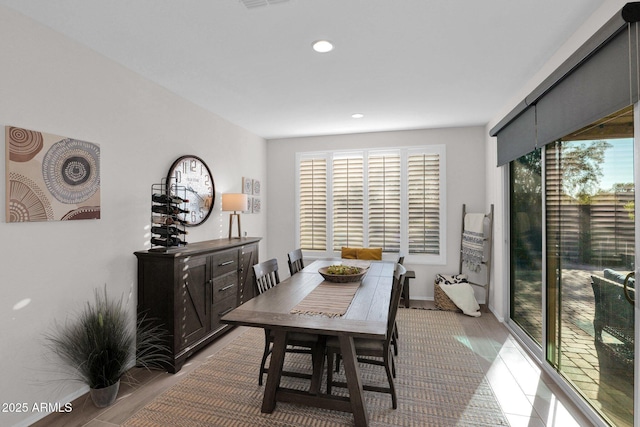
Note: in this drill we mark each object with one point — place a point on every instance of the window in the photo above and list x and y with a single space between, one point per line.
389 198
384 201
526 230
313 203
572 242
423 172
348 201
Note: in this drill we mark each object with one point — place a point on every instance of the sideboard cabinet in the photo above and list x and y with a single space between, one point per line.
188 290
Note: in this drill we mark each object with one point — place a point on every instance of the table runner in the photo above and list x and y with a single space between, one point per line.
328 298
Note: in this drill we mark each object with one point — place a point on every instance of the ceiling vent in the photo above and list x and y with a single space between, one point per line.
252 4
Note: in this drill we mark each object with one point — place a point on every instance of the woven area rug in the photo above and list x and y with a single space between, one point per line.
439 383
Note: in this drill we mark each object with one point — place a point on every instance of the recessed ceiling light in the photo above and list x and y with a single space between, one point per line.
322 46
357 115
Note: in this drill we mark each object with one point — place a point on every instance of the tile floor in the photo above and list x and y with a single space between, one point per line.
611 392
527 395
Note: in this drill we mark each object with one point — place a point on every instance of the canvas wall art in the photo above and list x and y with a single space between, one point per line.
247 185
251 187
50 177
256 205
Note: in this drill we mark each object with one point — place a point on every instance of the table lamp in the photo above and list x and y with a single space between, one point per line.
234 202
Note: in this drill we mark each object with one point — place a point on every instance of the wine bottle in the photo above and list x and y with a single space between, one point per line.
167 241
168 210
166 220
166 198
161 219
178 221
167 230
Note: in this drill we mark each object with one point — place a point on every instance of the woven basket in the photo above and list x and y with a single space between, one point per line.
342 278
443 302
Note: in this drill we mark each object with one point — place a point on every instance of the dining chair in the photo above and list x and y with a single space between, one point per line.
368 349
266 276
395 336
296 262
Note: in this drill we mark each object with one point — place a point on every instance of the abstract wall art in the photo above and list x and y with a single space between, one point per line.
256 205
251 187
256 187
50 177
247 185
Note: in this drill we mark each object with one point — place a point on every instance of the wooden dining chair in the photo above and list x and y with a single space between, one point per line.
266 276
371 351
296 262
395 336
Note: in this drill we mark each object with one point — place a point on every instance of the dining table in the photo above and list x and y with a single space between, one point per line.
284 309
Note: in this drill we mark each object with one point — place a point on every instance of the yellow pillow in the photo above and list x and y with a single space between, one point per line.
349 253
374 254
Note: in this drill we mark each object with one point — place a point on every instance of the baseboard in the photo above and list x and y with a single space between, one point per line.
40 415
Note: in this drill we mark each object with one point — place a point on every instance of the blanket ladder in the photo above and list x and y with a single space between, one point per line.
486 258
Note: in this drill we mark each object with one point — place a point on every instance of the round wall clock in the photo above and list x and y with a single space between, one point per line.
193 175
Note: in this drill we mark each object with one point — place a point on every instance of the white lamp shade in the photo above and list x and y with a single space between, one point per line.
234 202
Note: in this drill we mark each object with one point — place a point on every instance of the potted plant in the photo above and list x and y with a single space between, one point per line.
101 343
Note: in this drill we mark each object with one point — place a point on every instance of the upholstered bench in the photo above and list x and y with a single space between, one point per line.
373 254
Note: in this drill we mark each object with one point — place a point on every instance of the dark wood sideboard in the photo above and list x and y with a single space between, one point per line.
188 289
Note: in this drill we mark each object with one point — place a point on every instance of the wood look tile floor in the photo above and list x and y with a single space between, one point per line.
527 395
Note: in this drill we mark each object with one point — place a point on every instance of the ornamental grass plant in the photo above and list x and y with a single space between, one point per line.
104 341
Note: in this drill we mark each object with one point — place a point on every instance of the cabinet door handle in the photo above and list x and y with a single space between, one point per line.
225 263
226 287
225 312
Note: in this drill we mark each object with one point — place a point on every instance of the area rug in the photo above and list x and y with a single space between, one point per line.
439 383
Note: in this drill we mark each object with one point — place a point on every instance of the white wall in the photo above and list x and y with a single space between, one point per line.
51 84
465 154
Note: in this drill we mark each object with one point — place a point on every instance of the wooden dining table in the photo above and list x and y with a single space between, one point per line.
365 317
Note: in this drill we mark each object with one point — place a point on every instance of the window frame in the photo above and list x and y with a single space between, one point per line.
405 152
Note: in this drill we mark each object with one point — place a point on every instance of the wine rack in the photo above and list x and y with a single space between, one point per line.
167 224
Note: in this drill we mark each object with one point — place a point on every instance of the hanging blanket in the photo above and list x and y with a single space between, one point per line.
473 241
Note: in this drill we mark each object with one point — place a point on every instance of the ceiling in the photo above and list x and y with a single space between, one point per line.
404 64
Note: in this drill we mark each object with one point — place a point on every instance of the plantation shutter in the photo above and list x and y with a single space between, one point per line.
385 197
423 189
384 201
348 201
313 204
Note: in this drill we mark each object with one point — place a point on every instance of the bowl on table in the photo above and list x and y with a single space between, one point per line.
342 273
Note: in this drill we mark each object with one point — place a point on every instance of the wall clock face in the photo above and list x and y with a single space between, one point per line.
189 177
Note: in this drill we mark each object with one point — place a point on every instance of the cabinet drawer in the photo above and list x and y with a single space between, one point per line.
219 309
225 287
225 262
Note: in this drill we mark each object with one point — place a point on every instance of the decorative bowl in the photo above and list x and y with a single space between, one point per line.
342 278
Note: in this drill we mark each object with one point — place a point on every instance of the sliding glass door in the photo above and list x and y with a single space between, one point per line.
526 244
582 189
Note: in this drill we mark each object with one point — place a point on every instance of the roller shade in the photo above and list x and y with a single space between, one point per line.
519 138
598 79
599 87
